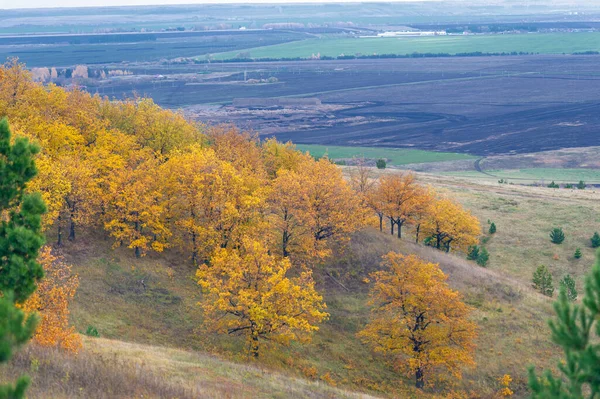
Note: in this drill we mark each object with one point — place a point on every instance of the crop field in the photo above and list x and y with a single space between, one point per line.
395 156
69 50
473 105
549 43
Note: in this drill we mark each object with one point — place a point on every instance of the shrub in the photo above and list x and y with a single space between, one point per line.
577 254
473 253
542 281
575 330
595 240
92 332
568 284
483 257
581 185
492 228
553 185
381 164
557 235
568 185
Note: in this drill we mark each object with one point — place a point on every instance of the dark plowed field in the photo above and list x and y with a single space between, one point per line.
479 105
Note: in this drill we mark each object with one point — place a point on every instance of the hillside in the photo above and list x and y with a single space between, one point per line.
117 369
149 307
214 257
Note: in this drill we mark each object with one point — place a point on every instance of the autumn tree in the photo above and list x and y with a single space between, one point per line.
362 178
450 226
311 208
81 200
278 156
241 149
134 215
20 241
376 203
51 301
403 199
209 203
155 128
417 320
248 292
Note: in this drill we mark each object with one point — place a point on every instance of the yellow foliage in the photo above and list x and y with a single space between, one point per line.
212 207
51 300
248 292
505 381
312 207
417 320
401 199
450 226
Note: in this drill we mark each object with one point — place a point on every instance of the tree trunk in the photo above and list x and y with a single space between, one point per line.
254 345
72 231
400 229
417 233
138 252
419 378
59 232
284 244
72 223
380 222
392 225
194 244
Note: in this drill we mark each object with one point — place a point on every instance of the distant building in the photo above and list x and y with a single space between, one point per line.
412 33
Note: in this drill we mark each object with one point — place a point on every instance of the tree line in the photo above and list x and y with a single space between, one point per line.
255 218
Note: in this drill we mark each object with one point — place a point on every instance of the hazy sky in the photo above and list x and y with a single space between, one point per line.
82 3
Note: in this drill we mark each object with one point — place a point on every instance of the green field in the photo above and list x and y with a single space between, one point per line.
395 156
542 43
534 175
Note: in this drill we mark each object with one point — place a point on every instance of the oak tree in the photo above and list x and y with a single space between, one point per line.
248 292
417 320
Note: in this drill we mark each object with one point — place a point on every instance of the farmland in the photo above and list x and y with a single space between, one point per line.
472 105
68 50
184 236
395 156
475 105
550 43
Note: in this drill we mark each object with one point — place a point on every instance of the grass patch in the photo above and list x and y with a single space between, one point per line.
534 175
396 156
542 43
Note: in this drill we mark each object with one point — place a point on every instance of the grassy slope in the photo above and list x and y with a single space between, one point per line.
525 216
511 316
533 175
116 369
542 43
396 156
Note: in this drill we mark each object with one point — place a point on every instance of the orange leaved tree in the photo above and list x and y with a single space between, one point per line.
209 203
311 208
401 199
448 225
418 320
248 292
51 300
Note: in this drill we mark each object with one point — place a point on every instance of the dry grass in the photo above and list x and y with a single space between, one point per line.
512 317
115 369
